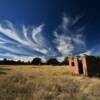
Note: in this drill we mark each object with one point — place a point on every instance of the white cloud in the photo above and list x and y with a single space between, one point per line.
11 32
36 42
67 41
7 55
93 51
65 22
21 42
60 59
37 31
88 52
64 45
77 18
79 39
24 58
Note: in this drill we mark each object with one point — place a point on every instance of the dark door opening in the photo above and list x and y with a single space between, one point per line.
80 67
73 64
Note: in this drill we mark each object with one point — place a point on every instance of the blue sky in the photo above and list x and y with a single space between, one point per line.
49 28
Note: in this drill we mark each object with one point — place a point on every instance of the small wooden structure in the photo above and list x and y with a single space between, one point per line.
87 65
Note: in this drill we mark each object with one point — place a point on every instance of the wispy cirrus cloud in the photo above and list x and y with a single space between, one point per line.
33 40
93 51
67 40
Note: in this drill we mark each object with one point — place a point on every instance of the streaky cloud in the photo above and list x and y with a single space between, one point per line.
33 43
92 51
68 41
18 45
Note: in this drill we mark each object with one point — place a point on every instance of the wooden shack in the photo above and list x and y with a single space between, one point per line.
87 65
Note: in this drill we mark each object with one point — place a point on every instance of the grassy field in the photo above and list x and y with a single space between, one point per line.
46 83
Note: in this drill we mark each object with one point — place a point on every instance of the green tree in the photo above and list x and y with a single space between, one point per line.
36 61
52 61
65 62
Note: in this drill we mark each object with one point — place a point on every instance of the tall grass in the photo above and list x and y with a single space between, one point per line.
48 83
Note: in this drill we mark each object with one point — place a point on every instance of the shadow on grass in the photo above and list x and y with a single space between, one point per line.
3 73
3 70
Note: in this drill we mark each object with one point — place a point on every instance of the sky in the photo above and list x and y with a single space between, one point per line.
49 28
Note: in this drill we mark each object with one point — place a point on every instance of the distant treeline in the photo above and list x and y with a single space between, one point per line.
35 61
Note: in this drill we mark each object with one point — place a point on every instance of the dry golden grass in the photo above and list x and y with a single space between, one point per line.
46 83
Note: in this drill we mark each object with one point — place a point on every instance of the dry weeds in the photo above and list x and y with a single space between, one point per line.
46 83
